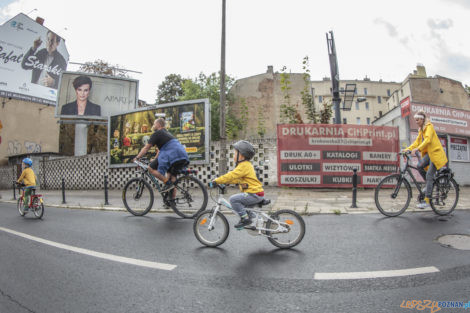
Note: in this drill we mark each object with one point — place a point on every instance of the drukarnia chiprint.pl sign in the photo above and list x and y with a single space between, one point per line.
321 155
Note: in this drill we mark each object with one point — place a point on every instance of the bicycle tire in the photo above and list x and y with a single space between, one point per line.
202 232
189 197
385 199
20 206
283 216
140 186
442 186
37 208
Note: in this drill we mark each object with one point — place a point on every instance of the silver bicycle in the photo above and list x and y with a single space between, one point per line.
283 228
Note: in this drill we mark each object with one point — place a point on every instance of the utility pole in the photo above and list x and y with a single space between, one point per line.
330 40
223 152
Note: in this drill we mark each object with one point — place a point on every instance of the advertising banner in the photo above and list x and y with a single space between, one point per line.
322 155
405 107
188 121
91 96
445 120
32 58
458 149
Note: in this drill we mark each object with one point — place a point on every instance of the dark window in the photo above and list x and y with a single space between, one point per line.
368 121
379 99
380 113
365 91
320 99
345 121
357 105
367 106
388 92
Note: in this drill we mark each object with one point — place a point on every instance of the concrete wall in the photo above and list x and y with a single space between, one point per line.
440 91
27 127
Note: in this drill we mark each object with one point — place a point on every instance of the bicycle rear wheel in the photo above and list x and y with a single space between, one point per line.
137 196
20 206
444 196
211 237
392 195
291 231
38 208
189 197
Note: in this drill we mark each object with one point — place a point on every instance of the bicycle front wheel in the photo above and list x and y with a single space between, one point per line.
20 206
211 235
444 196
393 195
189 197
137 196
290 230
38 208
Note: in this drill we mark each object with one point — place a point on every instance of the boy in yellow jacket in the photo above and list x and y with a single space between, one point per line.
244 175
28 178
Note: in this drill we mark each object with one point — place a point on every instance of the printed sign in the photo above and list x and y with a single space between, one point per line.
405 107
445 119
327 155
32 58
458 149
129 132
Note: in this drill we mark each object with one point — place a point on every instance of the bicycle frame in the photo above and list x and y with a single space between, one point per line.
31 197
143 168
407 169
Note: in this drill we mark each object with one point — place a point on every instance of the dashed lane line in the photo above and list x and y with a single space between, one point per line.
106 256
376 274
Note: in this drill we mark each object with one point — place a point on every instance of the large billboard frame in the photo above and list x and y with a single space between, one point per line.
91 117
207 132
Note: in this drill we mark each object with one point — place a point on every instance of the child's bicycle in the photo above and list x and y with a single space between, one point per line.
36 202
284 228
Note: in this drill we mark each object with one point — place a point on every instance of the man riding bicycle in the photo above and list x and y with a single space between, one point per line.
170 156
433 154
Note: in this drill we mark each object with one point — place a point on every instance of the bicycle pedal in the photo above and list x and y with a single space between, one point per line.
249 227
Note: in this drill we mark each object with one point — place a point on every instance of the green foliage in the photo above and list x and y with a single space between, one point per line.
326 113
261 128
288 112
209 87
103 68
170 89
307 99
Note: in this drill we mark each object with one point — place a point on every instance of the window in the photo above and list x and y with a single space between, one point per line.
379 99
401 91
380 113
388 92
334 121
365 91
345 121
367 106
357 105
358 120
320 99
368 121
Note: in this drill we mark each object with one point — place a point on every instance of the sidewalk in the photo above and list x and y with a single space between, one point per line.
303 200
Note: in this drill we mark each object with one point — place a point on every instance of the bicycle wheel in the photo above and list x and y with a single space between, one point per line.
20 206
393 195
214 236
444 196
189 197
289 233
137 196
38 208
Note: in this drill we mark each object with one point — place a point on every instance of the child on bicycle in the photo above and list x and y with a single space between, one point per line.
28 178
244 175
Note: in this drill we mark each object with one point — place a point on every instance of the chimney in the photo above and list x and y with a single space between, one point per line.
270 69
421 70
40 20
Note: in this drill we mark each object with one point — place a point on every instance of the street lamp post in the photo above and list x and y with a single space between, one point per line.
223 154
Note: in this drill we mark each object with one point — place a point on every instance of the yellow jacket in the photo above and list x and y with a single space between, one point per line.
427 142
28 176
244 175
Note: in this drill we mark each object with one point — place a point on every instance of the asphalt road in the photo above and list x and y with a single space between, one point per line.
246 274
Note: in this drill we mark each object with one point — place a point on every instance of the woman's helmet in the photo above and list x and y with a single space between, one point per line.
28 161
245 148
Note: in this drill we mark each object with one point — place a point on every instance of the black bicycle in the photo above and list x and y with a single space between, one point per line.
393 193
187 199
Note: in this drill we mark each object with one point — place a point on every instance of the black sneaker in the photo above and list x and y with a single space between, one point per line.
243 222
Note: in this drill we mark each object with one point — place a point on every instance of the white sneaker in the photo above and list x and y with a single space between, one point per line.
423 205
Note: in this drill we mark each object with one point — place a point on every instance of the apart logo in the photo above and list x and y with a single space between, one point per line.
52 91
15 24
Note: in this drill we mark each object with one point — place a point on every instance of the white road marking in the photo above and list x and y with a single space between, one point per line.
376 274
106 256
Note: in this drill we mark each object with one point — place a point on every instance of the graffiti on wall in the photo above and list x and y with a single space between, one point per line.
15 147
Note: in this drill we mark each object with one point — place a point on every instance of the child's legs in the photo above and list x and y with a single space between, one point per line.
241 200
27 193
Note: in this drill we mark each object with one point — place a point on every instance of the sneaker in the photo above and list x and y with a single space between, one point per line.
423 205
243 222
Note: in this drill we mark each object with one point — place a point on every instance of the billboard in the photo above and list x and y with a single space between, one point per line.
32 58
188 121
322 155
445 119
91 96
405 107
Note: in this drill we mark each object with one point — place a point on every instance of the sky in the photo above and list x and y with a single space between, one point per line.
378 39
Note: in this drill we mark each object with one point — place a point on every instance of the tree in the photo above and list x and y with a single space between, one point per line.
326 113
209 87
103 68
307 98
170 89
289 112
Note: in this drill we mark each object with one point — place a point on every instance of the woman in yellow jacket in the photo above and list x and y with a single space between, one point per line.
432 152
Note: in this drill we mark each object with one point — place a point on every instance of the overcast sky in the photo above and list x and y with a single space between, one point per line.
378 39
